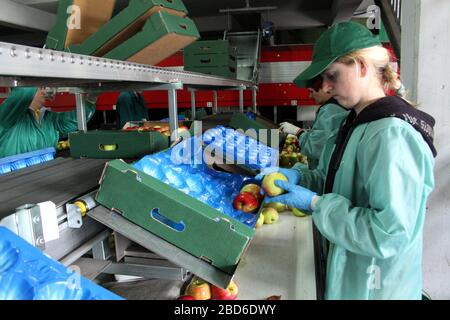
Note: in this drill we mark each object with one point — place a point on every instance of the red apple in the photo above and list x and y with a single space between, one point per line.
199 289
254 189
269 186
246 202
230 293
185 297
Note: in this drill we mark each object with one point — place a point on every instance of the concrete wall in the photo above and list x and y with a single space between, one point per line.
426 73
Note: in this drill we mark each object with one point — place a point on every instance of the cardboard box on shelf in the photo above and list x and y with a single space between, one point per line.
162 35
125 25
76 20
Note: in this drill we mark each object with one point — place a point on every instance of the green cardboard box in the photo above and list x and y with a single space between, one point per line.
126 24
162 35
113 144
174 216
209 47
209 60
223 71
77 20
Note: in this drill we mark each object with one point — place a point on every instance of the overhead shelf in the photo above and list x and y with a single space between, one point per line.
29 66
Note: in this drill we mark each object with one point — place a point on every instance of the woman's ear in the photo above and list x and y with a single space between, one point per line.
363 67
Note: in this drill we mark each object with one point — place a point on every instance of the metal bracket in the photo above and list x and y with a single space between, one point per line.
29 225
74 216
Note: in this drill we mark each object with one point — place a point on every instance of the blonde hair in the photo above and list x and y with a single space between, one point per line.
380 58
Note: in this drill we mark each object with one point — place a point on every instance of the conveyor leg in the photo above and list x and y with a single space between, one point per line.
173 114
80 99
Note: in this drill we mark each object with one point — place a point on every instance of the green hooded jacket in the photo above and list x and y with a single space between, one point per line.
375 214
328 120
20 132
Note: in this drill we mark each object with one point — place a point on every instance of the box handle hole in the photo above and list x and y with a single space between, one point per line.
177 226
108 147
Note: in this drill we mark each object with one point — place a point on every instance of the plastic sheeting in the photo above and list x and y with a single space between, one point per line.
27 274
182 167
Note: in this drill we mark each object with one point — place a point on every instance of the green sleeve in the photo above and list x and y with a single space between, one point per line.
66 122
395 181
124 107
328 122
15 107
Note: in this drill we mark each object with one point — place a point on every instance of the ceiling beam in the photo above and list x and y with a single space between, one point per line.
19 15
342 10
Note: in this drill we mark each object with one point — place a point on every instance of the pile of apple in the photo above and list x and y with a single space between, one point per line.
164 130
199 289
63 145
291 154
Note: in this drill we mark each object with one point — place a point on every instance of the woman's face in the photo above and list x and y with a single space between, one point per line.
343 83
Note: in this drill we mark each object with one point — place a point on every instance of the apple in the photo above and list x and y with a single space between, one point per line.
254 189
298 213
269 186
280 207
260 221
246 202
230 293
270 215
157 128
185 297
199 289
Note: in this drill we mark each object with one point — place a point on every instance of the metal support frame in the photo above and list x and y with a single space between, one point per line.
193 104
275 114
215 109
101 250
241 100
80 99
85 248
254 104
173 114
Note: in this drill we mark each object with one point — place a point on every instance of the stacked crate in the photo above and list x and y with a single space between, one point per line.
146 31
214 57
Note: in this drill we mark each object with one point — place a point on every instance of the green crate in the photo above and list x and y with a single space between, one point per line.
174 216
226 71
126 24
210 47
210 60
162 35
116 144
90 16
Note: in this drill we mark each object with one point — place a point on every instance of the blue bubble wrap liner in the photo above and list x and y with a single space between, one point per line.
28 274
181 168
238 148
24 160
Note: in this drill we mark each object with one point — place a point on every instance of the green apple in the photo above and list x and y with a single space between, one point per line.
260 221
270 215
280 207
298 213
269 186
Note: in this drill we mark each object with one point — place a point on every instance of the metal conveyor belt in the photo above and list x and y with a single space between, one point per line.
59 181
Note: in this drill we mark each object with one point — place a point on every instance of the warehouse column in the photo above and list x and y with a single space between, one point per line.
425 48
192 104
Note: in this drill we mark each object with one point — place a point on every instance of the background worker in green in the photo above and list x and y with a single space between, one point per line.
368 195
130 106
26 125
329 118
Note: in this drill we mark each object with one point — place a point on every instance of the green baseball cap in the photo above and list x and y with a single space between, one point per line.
340 39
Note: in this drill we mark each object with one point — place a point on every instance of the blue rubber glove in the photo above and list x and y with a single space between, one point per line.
296 196
293 176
